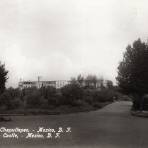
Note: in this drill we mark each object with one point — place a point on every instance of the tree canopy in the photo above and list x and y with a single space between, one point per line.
3 77
133 69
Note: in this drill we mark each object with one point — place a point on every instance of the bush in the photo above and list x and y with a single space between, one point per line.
87 96
50 95
48 92
136 102
5 101
33 100
72 94
10 100
140 102
105 95
14 93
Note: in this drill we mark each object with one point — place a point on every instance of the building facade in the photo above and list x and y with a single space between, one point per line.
61 83
38 84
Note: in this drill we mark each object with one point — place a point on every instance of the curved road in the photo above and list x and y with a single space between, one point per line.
111 127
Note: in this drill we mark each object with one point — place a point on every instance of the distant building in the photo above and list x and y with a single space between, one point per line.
99 84
27 84
94 84
62 83
38 84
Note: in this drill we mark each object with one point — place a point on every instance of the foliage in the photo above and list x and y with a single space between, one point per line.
91 81
80 80
106 95
133 72
74 95
3 77
10 99
49 93
34 100
109 84
71 94
133 69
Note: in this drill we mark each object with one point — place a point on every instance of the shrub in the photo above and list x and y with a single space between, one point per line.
71 94
48 92
87 96
10 100
50 95
5 100
136 102
33 100
105 95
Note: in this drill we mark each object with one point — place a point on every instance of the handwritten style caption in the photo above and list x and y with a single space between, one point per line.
41 133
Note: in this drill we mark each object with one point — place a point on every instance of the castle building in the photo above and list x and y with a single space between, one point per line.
38 84
61 83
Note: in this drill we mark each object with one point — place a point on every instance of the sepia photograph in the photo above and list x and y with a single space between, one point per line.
73 74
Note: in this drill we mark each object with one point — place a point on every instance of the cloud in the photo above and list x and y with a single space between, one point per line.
59 39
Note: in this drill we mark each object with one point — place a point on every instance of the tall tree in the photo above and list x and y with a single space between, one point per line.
3 77
133 69
133 72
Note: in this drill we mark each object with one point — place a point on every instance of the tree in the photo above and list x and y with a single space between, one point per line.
3 77
133 69
109 84
73 80
101 83
91 81
49 93
72 94
80 79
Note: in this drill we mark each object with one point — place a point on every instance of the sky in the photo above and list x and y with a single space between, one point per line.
59 39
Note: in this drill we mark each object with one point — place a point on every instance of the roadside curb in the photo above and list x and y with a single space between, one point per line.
140 113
